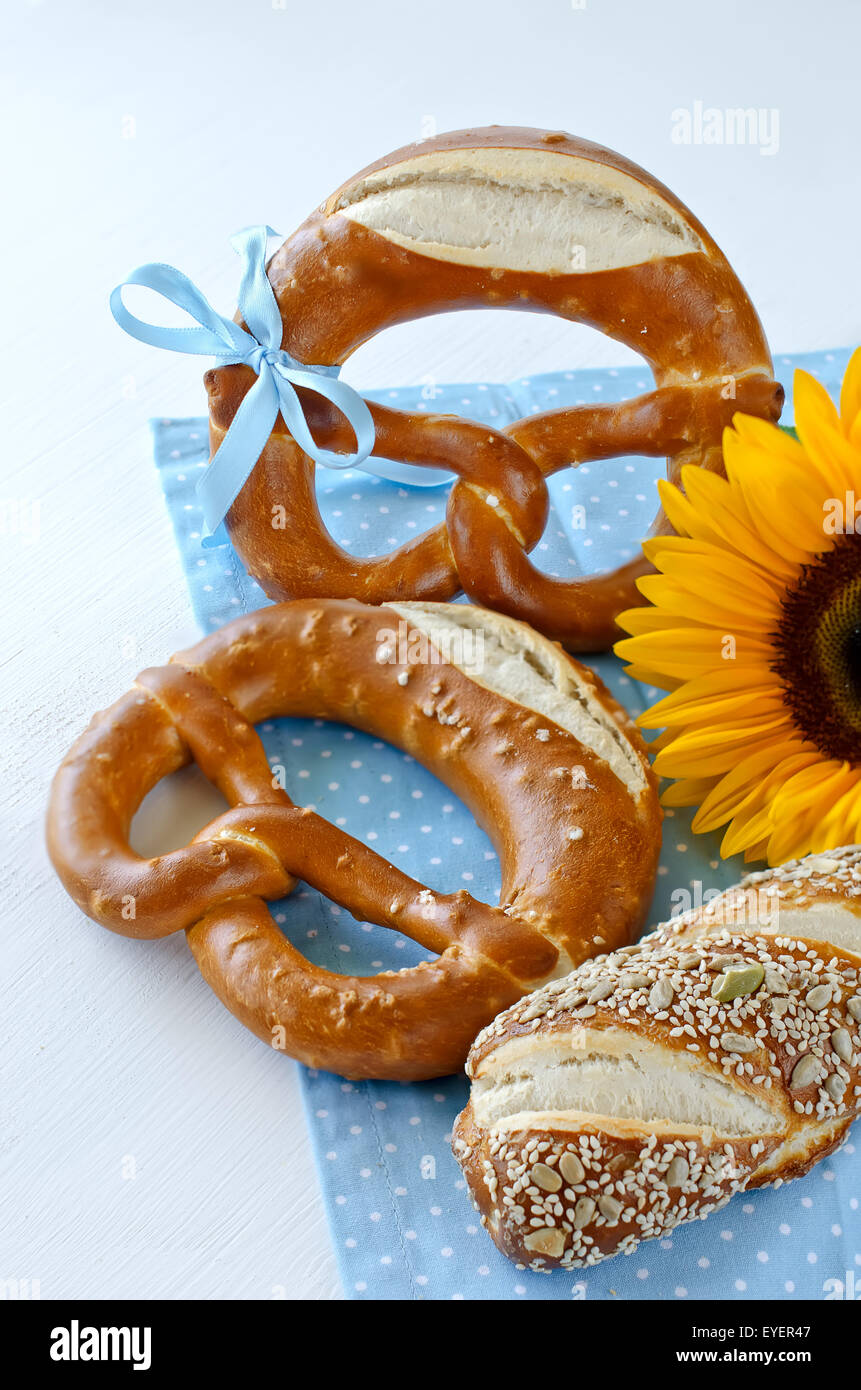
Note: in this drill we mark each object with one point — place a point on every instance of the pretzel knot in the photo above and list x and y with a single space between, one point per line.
578 853
497 218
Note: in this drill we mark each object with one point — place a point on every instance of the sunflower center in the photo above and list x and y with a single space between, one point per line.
853 659
818 646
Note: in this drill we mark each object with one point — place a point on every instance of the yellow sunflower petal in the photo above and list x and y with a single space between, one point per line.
707 752
690 596
771 439
737 568
755 852
684 653
813 405
727 678
730 676
659 679
687 792
699 699
728 736
730 520
801 804
748 834
705 570
753 817
681 515
704 712
787 503
821 432
750 784
791 521
850 393
650 619
842 824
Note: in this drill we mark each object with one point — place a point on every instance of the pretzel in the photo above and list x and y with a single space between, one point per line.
497 218
721 1053
550 764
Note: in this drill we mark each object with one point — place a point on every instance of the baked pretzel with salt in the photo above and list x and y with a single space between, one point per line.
549 763
497 218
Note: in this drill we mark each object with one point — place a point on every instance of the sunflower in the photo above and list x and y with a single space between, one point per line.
755 629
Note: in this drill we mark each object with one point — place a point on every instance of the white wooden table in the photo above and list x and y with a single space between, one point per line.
150 1147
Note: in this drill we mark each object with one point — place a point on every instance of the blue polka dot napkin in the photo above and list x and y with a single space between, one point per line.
400 1217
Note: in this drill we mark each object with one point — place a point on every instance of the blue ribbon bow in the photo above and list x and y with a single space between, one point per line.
278 374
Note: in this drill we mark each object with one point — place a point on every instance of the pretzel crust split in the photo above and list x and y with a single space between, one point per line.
563 897
340 281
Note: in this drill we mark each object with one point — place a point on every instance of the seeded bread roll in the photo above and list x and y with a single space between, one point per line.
720 1053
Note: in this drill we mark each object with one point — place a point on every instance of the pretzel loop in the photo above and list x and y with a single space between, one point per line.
257 850
493 567
325 659
489 464
472 220
229 752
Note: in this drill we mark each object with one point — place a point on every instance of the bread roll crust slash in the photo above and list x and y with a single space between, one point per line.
506 218
720 1053
549 763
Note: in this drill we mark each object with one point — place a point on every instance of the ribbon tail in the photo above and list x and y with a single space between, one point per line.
343 397
407 474
357 411
231 465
